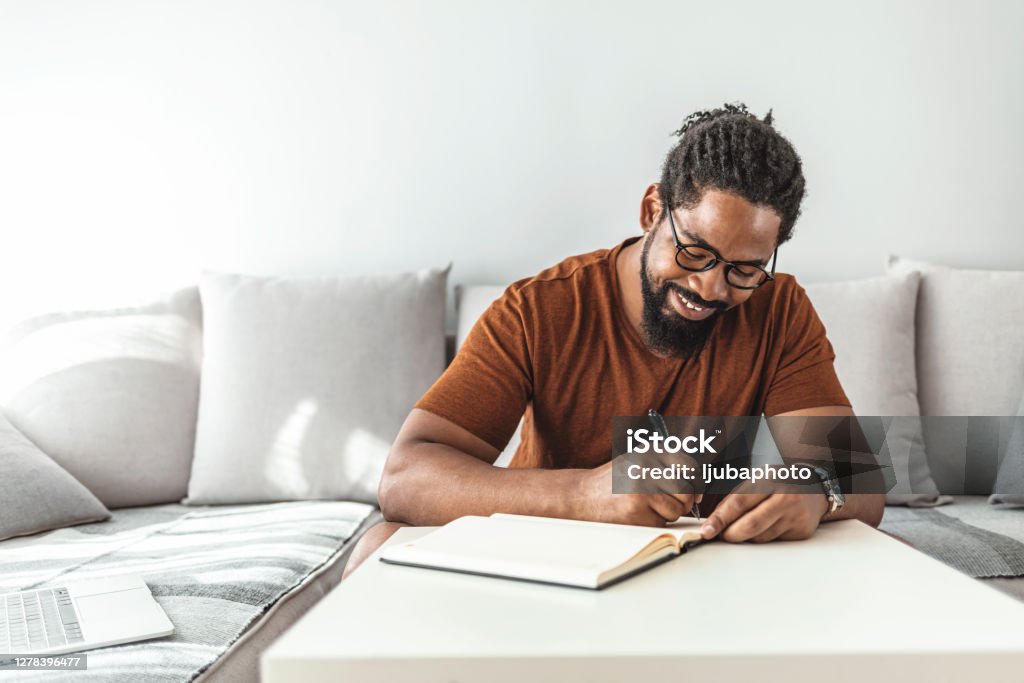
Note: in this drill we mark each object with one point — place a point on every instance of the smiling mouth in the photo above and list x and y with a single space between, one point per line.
689 310
686 302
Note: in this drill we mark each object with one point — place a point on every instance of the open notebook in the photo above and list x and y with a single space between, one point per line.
561 551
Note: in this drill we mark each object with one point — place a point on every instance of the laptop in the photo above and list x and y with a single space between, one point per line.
79 616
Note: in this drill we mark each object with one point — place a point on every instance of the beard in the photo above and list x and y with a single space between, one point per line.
665 331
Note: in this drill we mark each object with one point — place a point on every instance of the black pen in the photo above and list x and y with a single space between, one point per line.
659 426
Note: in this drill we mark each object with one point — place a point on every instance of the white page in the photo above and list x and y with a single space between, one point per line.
684 528
538 548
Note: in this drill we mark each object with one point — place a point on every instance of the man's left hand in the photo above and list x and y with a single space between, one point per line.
788 514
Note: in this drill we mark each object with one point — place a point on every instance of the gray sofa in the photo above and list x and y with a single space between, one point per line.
114 398
225 442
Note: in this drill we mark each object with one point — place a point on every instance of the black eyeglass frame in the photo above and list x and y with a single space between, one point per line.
729 265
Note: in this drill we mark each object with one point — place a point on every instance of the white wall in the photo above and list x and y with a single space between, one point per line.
140 141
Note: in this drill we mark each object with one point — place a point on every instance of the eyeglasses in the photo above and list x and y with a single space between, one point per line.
698 258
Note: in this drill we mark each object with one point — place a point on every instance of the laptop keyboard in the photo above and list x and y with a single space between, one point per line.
38 620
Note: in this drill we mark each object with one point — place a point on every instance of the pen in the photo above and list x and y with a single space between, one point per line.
659 426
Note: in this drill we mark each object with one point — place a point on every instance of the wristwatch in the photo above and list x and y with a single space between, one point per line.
834 495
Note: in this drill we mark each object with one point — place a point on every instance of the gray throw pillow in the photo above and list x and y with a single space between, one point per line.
307 380
37 494
970 362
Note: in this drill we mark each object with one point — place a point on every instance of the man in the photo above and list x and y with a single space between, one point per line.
689 319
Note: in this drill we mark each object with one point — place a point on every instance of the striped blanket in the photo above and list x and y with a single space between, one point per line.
979 539
214 570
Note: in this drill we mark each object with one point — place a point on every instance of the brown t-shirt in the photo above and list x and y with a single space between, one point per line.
557 350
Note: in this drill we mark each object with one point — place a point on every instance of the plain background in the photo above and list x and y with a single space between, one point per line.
142 141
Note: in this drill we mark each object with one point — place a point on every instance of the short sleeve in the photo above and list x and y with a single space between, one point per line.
805 376
489 384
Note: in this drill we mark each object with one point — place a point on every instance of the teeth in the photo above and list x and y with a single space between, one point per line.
689 305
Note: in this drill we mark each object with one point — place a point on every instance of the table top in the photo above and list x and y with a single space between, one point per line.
849 602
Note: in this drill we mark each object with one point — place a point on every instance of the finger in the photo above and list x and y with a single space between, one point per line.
673 487
777 529
667 506
754 522
732 507
685 500
640 512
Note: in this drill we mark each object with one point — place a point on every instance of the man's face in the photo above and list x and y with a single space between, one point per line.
736 228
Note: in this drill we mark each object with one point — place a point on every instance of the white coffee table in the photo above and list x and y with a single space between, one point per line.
850 604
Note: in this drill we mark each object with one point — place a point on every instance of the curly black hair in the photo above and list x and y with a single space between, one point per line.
731 150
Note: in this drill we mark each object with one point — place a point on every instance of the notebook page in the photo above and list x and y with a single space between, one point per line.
523 547
683 529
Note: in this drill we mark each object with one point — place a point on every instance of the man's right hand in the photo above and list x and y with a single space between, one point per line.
597 503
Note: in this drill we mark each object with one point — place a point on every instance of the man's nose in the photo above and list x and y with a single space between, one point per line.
710 285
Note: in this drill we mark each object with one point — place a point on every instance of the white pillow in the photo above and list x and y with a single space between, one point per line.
110 395
970 344
870 324
307 380
970 361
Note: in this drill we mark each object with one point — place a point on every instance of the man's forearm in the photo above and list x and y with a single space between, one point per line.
428 484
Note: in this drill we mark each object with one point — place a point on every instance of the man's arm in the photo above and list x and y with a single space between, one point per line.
437 471
867 507
793 515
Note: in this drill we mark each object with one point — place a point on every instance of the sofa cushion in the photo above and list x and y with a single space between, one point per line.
110 395
870 324
306 381
37 493
970 361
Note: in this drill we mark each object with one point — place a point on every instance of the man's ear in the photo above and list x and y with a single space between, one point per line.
650 207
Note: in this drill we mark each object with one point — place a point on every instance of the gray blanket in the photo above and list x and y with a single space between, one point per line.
214 570
972 536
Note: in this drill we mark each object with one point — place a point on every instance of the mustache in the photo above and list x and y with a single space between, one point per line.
696 298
